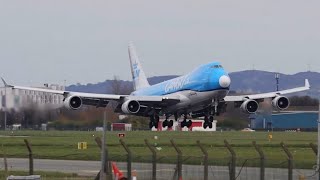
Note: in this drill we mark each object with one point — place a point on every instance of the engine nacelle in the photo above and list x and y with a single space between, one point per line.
130 107
73 102
249 106
280 102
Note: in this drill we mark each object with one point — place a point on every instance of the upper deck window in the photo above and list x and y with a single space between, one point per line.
216 66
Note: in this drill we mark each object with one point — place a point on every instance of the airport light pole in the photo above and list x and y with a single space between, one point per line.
103 146
5 108
318 158
277 76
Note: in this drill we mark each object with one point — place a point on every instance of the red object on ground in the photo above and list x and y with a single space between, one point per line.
118 126
195 124
117 173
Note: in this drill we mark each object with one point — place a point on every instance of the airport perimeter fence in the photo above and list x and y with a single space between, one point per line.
182 165
203 167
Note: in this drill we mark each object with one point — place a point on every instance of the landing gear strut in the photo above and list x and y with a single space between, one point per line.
154 120
213 110
207 122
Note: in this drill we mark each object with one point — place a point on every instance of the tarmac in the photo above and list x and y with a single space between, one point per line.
164 171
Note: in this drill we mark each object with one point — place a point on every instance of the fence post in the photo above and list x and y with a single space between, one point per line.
205 160
262 159
314 148
5 160
232 166
30 156
290 160
179 160
129 157
107 166
154 160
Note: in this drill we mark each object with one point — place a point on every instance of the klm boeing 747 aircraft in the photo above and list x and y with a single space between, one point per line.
200 93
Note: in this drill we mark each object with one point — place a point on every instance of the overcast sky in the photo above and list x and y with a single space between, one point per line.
86 41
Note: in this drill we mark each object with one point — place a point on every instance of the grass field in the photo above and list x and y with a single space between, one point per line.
63 145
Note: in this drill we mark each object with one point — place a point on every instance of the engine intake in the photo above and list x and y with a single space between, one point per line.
73 102
280 102
130 107
249 106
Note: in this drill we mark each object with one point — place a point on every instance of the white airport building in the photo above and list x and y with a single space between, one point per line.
14 99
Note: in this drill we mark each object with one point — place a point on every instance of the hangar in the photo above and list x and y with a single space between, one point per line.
303 120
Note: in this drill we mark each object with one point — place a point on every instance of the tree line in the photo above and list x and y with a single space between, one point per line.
88 118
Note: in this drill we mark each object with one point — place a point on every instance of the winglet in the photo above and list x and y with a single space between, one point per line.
306 83
5 83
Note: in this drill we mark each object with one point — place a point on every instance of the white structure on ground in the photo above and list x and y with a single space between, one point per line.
16 99
121 127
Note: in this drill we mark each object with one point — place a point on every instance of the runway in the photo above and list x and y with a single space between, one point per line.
164 171
87 168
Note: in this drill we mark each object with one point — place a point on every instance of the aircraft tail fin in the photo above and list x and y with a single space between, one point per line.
138 76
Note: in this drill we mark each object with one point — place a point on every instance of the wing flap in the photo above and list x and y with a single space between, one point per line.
95 102
69 93
101 100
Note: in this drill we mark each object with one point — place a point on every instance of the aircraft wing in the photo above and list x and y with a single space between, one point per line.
269 94
101 100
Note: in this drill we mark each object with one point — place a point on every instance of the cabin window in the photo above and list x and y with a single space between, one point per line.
216 66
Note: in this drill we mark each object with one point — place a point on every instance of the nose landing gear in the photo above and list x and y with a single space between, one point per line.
207 122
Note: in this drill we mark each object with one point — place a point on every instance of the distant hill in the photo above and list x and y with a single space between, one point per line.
263 81
254 81
106 86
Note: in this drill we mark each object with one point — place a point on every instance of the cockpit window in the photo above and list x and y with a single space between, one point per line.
216 66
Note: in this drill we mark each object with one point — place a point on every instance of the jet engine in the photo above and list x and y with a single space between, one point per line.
280 102
73 102
130 107
249 106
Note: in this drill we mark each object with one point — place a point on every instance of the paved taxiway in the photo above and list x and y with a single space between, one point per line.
165 171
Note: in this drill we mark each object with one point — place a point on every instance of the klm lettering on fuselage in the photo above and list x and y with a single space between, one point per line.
136 71
176 84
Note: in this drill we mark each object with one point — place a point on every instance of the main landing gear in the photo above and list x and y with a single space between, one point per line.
167 123
186 122
154 121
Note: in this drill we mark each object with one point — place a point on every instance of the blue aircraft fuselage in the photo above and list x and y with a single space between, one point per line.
208 77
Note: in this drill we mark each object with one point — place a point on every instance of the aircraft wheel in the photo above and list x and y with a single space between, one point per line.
211 119
210 125
189 123
170 124
183 123
205 125
165 123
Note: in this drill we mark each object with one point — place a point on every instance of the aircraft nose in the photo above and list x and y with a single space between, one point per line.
224 81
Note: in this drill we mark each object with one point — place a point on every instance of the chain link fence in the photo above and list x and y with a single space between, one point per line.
203 165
